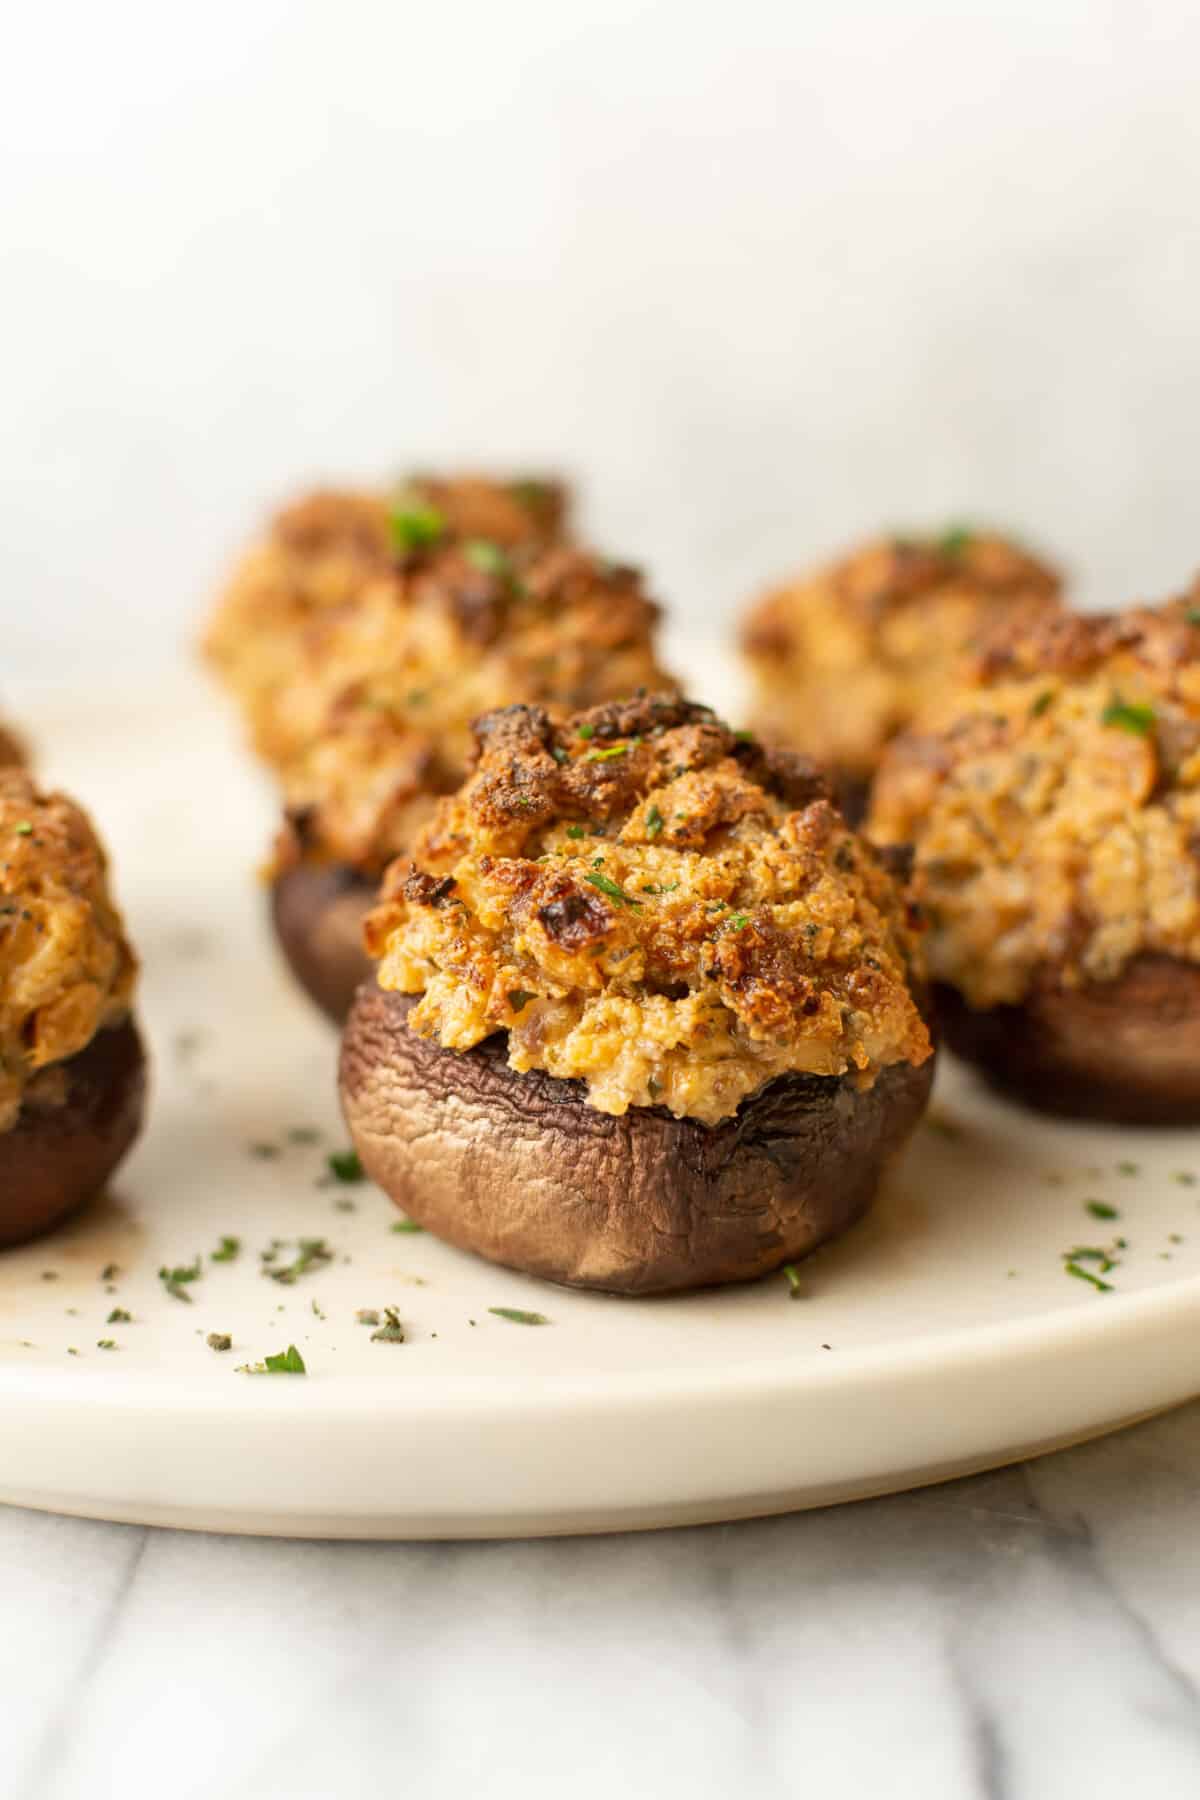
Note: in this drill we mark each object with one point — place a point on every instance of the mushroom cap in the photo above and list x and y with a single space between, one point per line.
317 910
57 1157
1126 1050
521 1170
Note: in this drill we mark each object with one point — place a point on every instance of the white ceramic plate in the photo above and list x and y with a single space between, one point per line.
944 1335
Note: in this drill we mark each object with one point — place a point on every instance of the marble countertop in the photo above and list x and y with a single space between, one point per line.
1032 1633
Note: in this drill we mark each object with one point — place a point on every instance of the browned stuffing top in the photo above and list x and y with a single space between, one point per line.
363 648
1054 803
646 901
66 969
846 657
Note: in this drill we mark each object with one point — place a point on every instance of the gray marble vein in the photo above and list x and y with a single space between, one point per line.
1032 1634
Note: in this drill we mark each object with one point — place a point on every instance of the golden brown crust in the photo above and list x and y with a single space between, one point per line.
362 657
520 1169
845 658
647 901
66 970
399 683
327 553
1054 805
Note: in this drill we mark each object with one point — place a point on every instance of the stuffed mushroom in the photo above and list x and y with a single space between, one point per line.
462 598
72 1070
647 1014
1053 804
843 659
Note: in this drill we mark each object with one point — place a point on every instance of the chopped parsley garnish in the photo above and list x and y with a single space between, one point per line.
391 1331
954 541
559 754
1100 1209
795 1285
1126 715
219 1340
1184 1177
517 1317
311 1254
227 1250
416 527
576 831
485 556
24 829
264 1152
1091 1253
106 1343
519 997
612 751
612 890
1044 701
407 1227
118 1316
654 822
737 922
288 1362
587 731
743 737
1192 615
175 1280
344 1165
1128 1168
1073 1268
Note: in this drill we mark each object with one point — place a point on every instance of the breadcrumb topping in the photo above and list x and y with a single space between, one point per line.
66 970
364 636
648 903
845 658
1053 803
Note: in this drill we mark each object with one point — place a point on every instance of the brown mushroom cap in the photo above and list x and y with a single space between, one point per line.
1126 1050
318 912
521 1170
56 1157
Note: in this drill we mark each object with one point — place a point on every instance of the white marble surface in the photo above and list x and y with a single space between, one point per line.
1033 1633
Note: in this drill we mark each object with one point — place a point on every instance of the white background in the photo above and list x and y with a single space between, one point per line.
764 275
